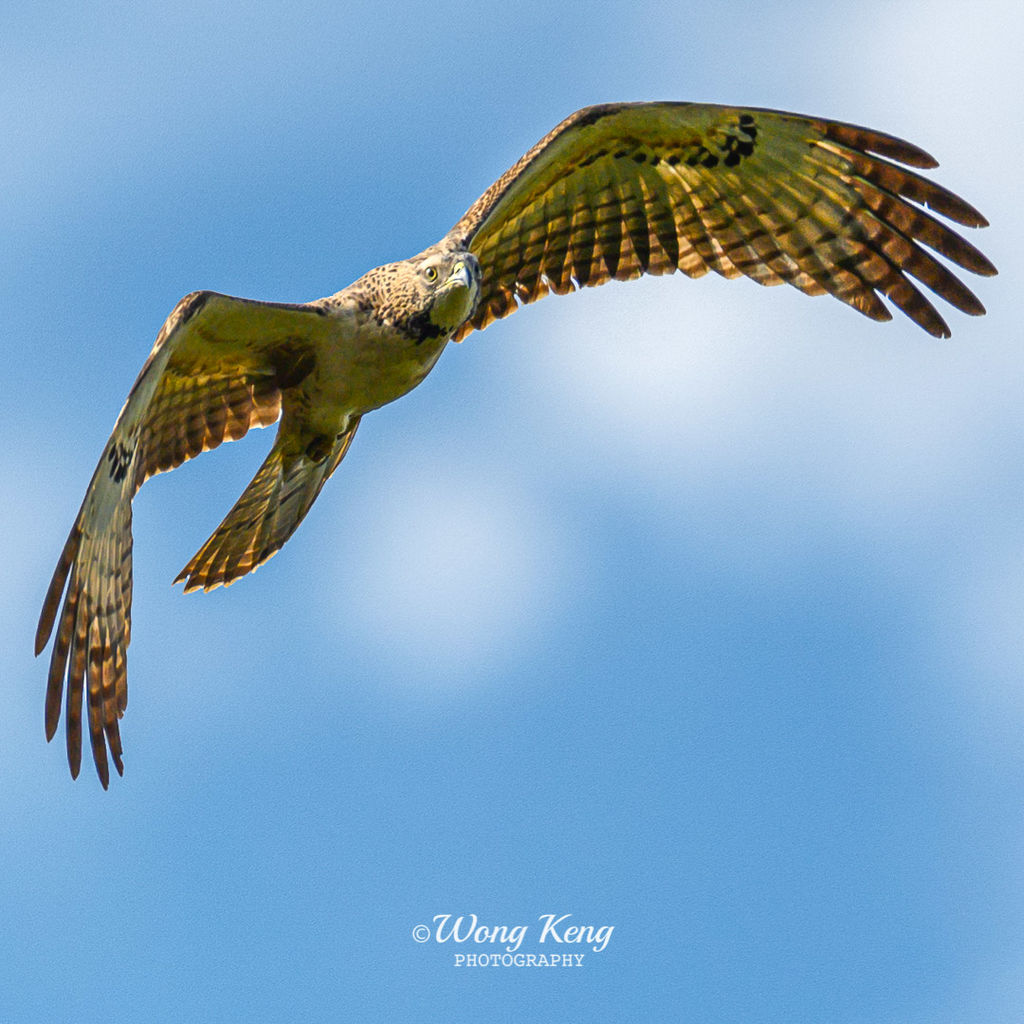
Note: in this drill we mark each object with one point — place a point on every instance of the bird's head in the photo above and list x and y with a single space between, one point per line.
449 286
427 297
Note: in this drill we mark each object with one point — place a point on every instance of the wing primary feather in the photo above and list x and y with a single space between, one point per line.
56 589
58 662
865 139
93 677
914 222
76 672
906 183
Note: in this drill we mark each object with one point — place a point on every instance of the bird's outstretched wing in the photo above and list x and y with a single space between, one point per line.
620 190
219 367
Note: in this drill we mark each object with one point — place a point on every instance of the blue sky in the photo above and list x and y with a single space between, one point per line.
689 608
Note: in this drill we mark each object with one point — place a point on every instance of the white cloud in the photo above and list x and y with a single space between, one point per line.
457 573
776 420
995 995
675 385
981 638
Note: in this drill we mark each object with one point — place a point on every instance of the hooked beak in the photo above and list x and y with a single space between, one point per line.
456 299
460 275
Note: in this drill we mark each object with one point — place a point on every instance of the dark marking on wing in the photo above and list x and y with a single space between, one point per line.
738 145
591 115
191 305
734 144
293 362
703 156
120 458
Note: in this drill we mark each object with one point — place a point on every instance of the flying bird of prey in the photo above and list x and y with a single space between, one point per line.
614 191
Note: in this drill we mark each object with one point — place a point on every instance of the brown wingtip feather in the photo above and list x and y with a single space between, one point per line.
970 217
53 699
89 632
55 591
890 146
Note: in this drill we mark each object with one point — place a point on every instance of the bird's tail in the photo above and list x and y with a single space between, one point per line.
265 516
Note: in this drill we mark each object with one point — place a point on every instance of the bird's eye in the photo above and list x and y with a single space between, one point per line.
431 274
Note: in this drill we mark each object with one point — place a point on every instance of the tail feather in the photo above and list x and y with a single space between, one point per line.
265 516
237 542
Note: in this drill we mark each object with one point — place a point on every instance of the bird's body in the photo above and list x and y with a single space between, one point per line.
614 191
